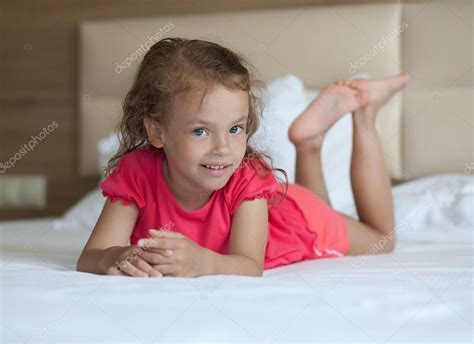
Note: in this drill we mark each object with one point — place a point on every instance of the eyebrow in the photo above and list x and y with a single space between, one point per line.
200 121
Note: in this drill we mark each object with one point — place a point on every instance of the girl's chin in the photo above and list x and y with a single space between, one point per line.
213 185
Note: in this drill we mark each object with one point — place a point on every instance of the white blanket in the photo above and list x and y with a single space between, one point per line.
422 292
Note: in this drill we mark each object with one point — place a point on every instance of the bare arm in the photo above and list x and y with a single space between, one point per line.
111 232
248 240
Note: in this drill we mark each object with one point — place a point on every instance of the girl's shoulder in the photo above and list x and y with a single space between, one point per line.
143 163
249 181
144 156
134 177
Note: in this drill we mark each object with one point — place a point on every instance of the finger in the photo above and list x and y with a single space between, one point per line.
353 83
155 258
348 84
362 97
166 269
163 243
115 271
132 270
143 265
155 233
164 252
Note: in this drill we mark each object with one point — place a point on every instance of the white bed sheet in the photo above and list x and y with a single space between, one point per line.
420 293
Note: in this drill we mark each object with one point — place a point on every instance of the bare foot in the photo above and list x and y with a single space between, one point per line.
333 102
379 91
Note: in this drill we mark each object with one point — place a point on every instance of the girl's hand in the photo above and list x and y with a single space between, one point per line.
128 261
187 259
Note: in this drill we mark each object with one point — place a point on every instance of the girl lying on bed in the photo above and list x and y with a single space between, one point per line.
192 196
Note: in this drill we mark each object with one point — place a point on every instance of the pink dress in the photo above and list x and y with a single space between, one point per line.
301 226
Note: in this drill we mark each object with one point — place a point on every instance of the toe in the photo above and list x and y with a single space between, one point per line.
354 86
351 86
362 97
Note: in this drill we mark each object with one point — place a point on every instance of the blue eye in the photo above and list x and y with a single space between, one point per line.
237 126
198 131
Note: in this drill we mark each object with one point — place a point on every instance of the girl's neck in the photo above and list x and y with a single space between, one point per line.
187 202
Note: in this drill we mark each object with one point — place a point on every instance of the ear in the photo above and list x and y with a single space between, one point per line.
154 132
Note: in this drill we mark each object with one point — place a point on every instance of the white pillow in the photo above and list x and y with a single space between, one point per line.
435 208
84 214
106 149
285 100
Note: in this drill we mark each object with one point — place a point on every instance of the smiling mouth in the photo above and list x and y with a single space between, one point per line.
215 167
216 170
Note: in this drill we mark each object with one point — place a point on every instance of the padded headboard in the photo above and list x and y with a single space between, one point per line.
319 44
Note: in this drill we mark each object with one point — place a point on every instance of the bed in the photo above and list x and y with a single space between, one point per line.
421 292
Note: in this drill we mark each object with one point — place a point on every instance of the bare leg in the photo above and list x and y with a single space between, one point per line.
309 172
369 177
372 189
308 130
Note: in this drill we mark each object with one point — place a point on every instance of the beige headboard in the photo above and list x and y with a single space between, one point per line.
424 130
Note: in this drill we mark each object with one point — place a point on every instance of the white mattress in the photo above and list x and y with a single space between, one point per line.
422 292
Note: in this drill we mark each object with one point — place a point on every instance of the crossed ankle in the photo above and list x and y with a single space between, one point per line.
364 119
310 146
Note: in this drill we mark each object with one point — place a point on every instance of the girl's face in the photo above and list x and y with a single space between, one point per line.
205 142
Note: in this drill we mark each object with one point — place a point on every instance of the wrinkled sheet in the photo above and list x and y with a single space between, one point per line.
420 293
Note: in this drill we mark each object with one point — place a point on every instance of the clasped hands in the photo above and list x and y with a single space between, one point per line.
164 253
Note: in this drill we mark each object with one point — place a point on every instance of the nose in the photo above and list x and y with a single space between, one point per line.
221 144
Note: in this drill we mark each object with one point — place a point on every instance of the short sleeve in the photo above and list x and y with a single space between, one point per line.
250 181
126 183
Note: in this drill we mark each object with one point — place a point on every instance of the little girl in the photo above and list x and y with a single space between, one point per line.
193 198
